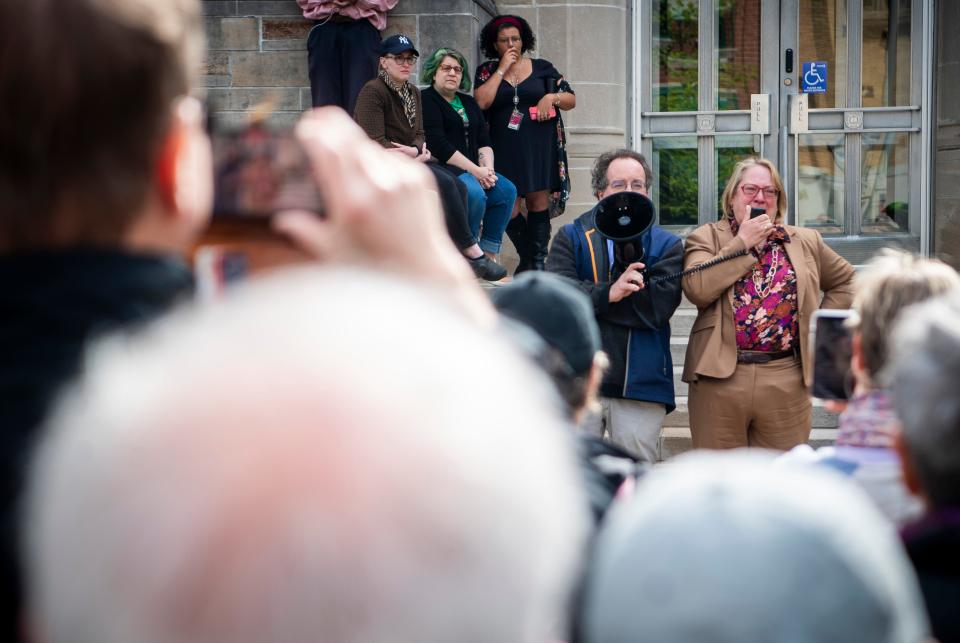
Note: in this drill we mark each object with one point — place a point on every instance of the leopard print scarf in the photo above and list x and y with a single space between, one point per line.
406 95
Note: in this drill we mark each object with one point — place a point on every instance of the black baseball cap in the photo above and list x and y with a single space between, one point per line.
560 313
397 44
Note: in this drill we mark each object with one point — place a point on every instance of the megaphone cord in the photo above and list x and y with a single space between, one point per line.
689 271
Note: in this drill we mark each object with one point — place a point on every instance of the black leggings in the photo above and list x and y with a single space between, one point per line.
453 198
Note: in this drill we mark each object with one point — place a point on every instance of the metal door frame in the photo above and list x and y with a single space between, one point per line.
779 31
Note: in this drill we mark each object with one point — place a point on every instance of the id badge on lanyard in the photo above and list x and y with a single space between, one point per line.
516 116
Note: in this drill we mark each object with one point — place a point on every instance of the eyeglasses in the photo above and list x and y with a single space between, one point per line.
634 186
751 191
456 69
404 60
506 40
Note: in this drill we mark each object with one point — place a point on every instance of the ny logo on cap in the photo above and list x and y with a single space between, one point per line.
403 39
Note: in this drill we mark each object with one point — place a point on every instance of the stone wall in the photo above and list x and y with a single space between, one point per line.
257 52
257 48
946 202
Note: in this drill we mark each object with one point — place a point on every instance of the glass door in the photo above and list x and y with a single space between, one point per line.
831 91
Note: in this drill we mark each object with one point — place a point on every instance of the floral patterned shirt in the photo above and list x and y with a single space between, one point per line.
765 299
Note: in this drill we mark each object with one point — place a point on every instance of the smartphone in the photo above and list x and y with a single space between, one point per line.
831 339
756 212
533 112
260 169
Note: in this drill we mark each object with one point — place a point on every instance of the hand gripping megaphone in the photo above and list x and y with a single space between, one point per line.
622 218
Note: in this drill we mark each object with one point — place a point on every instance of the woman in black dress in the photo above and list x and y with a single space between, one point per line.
521 96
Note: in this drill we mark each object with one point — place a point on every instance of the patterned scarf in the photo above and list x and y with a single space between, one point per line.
405 93
868 421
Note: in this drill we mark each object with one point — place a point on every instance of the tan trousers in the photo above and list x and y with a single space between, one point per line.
760 405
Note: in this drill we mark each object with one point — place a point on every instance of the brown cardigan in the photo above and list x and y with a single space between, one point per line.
379 112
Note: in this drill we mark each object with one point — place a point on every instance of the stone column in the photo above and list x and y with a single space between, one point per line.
589 44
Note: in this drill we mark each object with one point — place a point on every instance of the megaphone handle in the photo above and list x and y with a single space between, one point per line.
689 271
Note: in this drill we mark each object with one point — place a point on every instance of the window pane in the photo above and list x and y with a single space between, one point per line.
675 180
885 183
737 53
886 53
820 182
823 38
675 42
730 150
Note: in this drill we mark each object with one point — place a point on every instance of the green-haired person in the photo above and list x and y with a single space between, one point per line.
458 137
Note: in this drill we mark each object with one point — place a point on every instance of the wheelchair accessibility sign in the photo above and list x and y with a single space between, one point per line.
814 79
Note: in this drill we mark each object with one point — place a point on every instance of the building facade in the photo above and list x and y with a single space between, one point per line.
856 101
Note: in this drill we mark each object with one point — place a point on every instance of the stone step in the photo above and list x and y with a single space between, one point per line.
678 349
822 419
675 440
680 387
682 322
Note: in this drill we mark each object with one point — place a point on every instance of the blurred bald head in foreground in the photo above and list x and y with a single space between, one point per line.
294 466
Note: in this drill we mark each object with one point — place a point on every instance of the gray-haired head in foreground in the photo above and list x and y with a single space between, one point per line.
305 462
725 547
923 375
890 282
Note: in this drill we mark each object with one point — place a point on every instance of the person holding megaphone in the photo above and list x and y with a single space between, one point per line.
615 253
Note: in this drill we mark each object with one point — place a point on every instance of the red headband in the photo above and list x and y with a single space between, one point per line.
510 20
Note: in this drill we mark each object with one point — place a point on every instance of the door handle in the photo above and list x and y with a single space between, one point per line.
788 61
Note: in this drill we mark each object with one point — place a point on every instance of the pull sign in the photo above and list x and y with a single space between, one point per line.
798 114
759 113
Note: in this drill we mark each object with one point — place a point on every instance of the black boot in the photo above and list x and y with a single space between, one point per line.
517 232
538 238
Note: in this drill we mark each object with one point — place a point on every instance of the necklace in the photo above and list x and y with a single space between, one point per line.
759 283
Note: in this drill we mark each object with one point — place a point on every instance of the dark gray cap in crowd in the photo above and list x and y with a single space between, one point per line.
557 310
727 547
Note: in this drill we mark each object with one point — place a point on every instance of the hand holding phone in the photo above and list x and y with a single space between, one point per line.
832 347
533 112
260 170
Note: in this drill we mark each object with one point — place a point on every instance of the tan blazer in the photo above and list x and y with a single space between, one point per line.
712 350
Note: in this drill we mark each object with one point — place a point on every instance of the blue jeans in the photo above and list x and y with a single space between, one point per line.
491 207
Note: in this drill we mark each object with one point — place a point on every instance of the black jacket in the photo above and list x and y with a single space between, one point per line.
53 304
446 132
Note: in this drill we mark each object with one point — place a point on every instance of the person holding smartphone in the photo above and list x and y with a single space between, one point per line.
747 361
522 98
868 427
